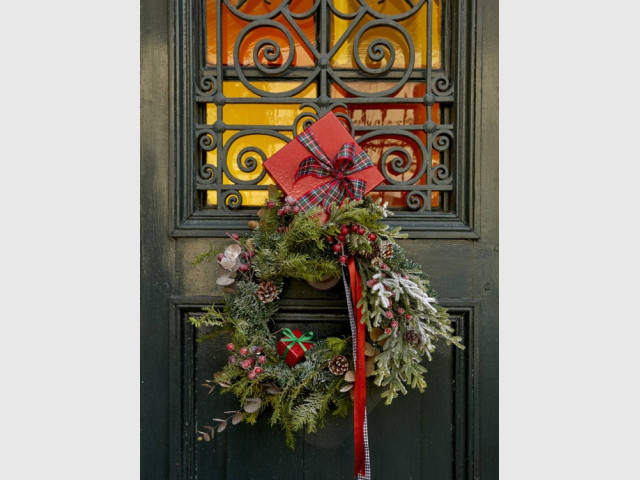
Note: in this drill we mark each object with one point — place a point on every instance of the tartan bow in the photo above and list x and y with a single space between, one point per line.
339 171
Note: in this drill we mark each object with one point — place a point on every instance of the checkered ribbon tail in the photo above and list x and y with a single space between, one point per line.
352 323
337 172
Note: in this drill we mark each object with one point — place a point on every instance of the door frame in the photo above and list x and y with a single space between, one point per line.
159 152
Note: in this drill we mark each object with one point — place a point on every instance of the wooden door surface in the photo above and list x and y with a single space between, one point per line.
187 115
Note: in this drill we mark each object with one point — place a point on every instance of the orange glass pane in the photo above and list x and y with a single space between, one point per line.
415 26
232 27
398 167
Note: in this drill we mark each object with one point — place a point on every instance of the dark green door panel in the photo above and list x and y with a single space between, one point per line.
449 432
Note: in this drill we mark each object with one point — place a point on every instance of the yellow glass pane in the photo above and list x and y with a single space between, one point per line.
232 27
254 114
415 26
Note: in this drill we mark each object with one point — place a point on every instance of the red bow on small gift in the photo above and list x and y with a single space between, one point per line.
345 163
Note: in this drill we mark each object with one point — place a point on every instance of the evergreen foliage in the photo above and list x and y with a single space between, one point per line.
397 298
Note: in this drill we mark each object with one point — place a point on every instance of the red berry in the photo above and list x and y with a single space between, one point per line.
329 239
220 256
253 361
262 360
394 324
387 330
280 212
400 310
361 230
354 228
230 347
388 314
244 255
337 247
233 359
372 236
243 351
290 200
344 230
246 364
235 236
341 238
252 375
281 229
258 370
408 316
270 204
244 267
343 259
296 209
251 253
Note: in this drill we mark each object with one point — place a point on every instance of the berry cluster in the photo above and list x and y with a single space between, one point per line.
248 358
340 239
290 207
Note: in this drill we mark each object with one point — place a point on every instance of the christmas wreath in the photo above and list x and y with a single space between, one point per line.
403 320
324 228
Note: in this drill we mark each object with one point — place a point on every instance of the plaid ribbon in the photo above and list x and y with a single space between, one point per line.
366 475
338 171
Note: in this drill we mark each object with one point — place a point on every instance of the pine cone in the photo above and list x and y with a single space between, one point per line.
377 262
386 250
267 292
412 337
339 365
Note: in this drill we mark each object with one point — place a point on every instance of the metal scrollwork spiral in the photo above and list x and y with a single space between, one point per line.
416 200
272 52
304 119
207 174
442 140
249 164
400 163
207 140
207 86
232 199
442 86
441 175
378 51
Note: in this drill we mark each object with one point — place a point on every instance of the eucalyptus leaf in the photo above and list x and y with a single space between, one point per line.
252 405
222 426
228 263
347 387
224 280
237 418
233 251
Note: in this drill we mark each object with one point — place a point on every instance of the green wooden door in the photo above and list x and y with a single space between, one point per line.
448 432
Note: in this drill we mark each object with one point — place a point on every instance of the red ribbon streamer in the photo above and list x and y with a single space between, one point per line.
360 389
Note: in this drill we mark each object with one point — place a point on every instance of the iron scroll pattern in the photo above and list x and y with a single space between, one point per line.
406 159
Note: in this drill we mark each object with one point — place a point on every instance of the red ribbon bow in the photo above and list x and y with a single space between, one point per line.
339 171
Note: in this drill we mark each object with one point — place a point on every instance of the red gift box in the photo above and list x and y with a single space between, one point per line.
291 345
331 136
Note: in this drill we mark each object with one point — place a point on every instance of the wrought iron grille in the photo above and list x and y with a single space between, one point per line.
291 56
